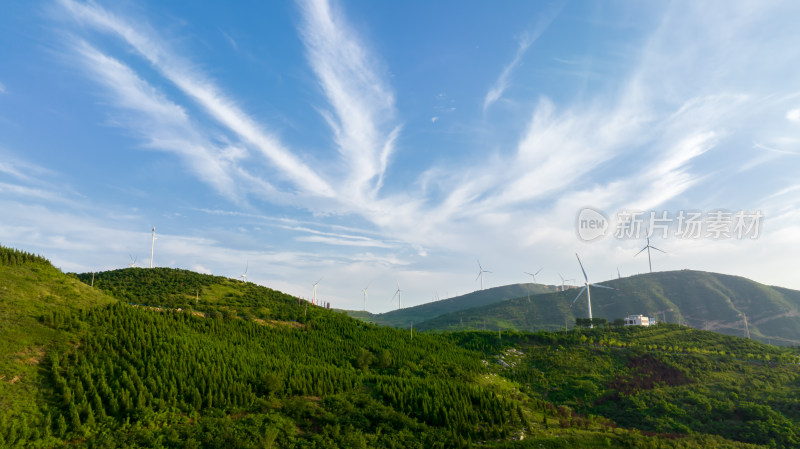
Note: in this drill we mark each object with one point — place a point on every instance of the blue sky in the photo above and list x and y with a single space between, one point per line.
377 143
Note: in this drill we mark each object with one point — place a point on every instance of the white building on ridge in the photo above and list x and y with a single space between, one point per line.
637 320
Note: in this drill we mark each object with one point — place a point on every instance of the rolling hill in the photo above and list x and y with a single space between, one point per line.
165 358
423 312
698 299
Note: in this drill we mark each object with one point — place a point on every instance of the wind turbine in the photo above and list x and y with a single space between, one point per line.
244 275
397 293
133 261
365 296
533 275
619 276
480 273
650 262
564 281
314 292
586 286
153 247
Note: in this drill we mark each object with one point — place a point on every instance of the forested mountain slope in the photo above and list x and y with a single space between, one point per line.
248 367
698 299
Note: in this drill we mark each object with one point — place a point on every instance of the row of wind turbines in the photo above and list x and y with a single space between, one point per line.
398 293
586 286
532 275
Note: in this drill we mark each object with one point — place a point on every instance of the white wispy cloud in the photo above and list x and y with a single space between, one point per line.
2 88
500 86
363 104
527 39
204 91
164 125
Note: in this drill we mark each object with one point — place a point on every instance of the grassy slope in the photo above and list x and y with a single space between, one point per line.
27 292
699 299
423 312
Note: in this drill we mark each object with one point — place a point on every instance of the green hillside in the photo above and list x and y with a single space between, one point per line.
423 312
182 359
186 290
698 299
31 287
664 380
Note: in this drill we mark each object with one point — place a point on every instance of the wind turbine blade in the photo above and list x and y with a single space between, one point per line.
602 286
540 270
486 271
581 264
479 275
658 249
529 274
576 298
640 251
562 277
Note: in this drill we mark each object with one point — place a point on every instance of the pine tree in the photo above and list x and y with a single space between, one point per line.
75 419
61 426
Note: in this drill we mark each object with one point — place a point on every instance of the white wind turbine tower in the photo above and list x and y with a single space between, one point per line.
244 275
564 281
649 261
153 247
314 292
533 275
364 291
588 291
397 293
133 261
480 273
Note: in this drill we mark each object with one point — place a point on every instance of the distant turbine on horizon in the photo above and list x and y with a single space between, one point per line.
364 291
397 293
586 286
480 273
533 275
133 261
153 247
244 275
314 292
647 247
564 281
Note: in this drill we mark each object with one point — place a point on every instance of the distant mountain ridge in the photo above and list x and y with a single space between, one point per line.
702 300
417 314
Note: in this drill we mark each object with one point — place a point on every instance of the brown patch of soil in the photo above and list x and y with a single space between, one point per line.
647 372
